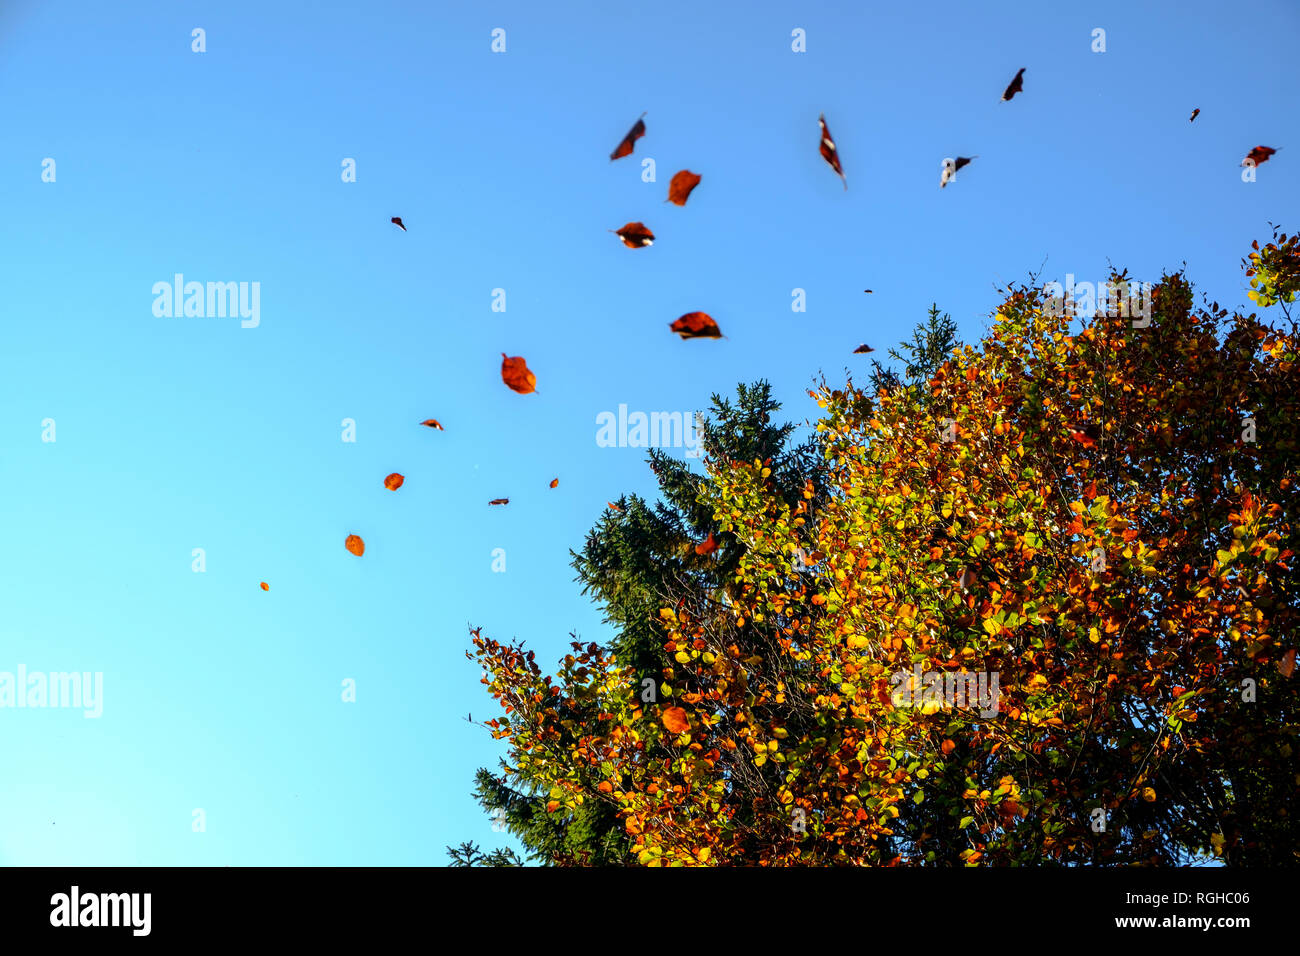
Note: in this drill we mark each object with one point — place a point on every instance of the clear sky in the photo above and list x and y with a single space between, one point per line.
181 433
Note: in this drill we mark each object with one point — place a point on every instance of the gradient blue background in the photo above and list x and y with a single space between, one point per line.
183 433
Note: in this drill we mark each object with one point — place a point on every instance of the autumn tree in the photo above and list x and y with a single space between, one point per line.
1098 512
639 557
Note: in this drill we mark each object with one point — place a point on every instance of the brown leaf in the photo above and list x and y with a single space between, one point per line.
679 190
863 349
635 235
515 373
432 423
696 325
555 482
1015 86
393 481
625 147
1287 664
397 221
355 544
499 501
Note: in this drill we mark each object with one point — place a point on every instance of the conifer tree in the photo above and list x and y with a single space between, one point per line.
642 557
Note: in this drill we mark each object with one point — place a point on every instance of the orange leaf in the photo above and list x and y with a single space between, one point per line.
515 373
265 586
947 747
696 325
432 423
605 787
707 546
393 481
674 719
680 187
355 545
555 482
553 806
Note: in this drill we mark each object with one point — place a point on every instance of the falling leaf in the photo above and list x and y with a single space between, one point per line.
555 482
1258 155
1015 86
397 221
393 481
499 501
1195 113
674 719
625 147
1287 664
1149 794
829 152
679 190
696 325
432 423
707 546
863 349
355 544
612 507
265 586
866 290
635 235
950 167
515 373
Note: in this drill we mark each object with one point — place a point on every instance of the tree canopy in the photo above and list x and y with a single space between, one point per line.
1036 603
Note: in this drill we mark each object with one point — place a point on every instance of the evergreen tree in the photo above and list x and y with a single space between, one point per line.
637 558
641 557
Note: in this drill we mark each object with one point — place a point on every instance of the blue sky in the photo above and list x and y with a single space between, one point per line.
182 433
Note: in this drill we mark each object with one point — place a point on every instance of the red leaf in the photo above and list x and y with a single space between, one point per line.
696 325
828 150
1260 154
635 235
393 481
